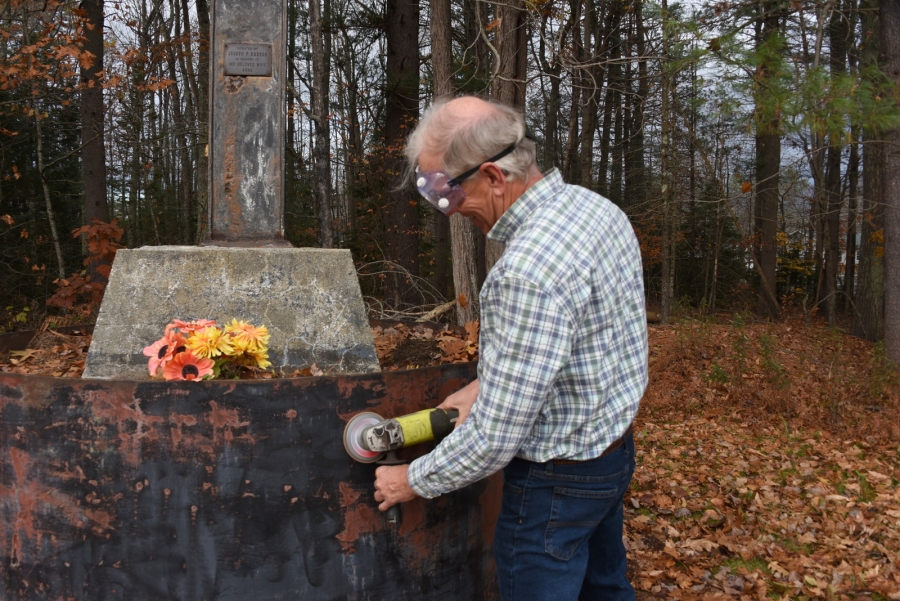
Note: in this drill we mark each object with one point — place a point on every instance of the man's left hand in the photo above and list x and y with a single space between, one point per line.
392 486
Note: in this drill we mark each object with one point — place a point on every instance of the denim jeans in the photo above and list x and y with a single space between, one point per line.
559 534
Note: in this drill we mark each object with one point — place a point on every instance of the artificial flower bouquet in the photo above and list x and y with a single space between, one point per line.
201 350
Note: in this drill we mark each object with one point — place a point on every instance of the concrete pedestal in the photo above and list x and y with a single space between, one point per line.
308 298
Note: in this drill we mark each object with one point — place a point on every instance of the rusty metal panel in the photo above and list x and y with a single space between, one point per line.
225 490
247 121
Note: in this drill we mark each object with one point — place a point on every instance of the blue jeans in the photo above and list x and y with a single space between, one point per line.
559 534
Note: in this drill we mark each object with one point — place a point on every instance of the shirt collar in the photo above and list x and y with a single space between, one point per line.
543 190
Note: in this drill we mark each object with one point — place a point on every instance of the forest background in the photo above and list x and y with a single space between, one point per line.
752 144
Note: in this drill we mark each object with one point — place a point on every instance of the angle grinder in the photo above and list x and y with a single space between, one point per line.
368 437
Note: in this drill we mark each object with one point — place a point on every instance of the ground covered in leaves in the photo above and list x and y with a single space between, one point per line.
768 465
48 354
719 509
768 455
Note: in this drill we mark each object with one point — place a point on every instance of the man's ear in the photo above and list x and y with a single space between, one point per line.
495 177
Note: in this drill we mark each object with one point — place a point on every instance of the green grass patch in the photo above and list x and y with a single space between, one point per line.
793 546
867 494
751 565
717 375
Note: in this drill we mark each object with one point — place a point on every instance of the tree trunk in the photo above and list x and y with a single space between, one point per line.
890 55
667 188
868 314
186 178
768 165
571 166
852 219
401 113
819 212
590 90
635 177
605 134
442 49
39 147
617 151
442 66
461 233
549 149
353 149
509 79
615 83
838 34
202 216
322 148
93 148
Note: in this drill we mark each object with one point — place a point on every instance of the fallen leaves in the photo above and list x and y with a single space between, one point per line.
51 354
402 346
801 516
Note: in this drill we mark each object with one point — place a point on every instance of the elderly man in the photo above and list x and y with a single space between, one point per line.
563 358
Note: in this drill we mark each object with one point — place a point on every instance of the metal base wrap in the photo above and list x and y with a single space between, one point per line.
225 490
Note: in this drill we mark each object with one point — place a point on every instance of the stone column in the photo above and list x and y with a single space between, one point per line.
247 113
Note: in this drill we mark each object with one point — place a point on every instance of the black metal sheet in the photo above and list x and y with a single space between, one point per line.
225 490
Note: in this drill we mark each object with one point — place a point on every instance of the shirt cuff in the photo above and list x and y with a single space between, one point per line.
419 470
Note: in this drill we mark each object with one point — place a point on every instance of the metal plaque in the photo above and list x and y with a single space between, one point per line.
248 60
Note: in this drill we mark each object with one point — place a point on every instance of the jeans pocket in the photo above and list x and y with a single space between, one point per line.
574 514
510 484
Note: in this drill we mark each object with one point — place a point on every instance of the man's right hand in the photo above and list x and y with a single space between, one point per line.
462 400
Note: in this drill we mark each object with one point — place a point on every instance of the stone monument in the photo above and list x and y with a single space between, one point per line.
308 298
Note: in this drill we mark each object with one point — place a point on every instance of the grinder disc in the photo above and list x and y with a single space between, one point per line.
353 436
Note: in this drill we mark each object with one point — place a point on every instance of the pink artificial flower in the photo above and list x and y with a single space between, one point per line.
162 351
186 366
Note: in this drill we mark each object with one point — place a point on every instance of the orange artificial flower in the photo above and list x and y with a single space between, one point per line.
162 351
186 366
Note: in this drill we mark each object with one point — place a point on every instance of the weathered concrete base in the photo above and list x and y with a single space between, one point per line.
308 298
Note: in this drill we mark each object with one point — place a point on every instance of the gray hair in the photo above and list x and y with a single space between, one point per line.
466 143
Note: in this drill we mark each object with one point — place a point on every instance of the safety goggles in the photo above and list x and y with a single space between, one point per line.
445 193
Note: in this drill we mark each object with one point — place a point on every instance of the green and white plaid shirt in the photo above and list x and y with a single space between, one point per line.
563 356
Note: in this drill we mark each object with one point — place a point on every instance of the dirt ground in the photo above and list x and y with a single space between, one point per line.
768 455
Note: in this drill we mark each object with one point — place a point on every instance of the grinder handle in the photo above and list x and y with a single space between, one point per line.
443 422
392 515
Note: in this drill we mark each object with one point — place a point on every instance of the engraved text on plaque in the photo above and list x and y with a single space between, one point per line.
248 59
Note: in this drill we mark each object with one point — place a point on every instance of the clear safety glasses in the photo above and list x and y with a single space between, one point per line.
445 193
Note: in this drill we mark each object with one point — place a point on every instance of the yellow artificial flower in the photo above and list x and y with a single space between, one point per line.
258 359
248 336
209 342
241 345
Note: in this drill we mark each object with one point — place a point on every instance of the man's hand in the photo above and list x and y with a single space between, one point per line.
392 486
462 400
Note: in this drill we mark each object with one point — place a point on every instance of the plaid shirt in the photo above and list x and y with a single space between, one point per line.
563 355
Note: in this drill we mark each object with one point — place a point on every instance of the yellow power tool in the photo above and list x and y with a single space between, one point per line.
368 437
